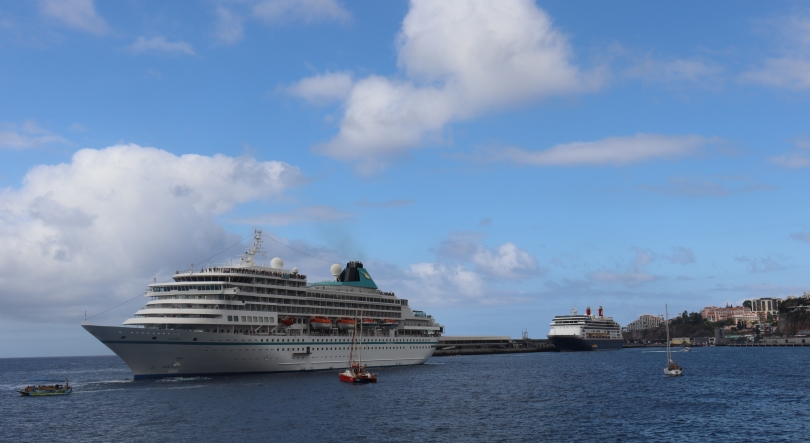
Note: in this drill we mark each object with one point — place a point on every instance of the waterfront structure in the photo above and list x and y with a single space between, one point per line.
248 318
715 314
474 342
644 322
587 332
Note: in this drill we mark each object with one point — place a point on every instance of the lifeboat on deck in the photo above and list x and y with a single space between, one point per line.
320 323
368 323
288 321
388 324
345 324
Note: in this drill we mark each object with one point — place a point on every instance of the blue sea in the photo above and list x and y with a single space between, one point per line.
727 394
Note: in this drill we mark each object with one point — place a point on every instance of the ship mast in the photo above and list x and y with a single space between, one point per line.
249 258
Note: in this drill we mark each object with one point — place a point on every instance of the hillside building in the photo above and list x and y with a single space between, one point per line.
646 321
715 314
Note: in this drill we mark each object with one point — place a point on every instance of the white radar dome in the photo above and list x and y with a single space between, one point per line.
335 269
276 263
295 270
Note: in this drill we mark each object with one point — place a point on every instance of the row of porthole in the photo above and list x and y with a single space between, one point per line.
302 349
153 338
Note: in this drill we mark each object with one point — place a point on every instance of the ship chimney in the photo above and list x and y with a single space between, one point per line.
600 311
588 310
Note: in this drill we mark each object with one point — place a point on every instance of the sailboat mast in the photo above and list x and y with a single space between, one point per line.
360 351
666 308
354 334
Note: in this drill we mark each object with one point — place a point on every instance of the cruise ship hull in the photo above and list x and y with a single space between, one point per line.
567 344
156 353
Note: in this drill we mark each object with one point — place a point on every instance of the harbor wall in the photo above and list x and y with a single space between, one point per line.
477 345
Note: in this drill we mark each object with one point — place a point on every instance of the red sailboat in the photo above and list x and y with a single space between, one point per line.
357 372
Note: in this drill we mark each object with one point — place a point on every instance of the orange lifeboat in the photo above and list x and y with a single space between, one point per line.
388 324
345 324
320 323
368 323
288 321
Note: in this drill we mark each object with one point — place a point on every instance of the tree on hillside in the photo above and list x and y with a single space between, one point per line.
747 304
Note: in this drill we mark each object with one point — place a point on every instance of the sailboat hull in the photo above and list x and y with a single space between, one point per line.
673 372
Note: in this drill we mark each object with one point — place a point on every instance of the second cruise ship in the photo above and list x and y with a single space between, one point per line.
587 332
247 318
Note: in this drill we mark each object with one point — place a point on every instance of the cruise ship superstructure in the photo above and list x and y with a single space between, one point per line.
587 332
247 318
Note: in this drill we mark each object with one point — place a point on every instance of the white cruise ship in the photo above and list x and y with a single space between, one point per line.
587 332
247 318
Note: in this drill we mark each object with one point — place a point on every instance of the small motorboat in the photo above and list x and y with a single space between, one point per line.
686 349
388 324
44 390
320 323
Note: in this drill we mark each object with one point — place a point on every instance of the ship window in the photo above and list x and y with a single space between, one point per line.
124 336
154 338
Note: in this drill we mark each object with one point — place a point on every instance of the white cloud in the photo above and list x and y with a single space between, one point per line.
88 234
78 14
316 214
307 11
674 72
28 135
634 275
440 284
718 186
801 236
323 89
160 44
228 25
786 72
506 261
763 264
611 150
799 158
790 70
681 255
229 22
791 161
78 127
386 204
462 59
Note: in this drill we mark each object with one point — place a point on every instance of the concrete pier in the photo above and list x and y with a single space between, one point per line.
475 345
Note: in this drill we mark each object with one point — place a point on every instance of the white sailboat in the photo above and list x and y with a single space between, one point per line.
357 372
672 369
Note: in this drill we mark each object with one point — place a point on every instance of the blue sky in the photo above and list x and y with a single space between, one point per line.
496 163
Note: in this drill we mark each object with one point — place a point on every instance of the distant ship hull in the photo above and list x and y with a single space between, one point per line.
156 353
568 344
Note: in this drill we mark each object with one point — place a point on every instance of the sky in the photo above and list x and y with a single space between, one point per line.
495 163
